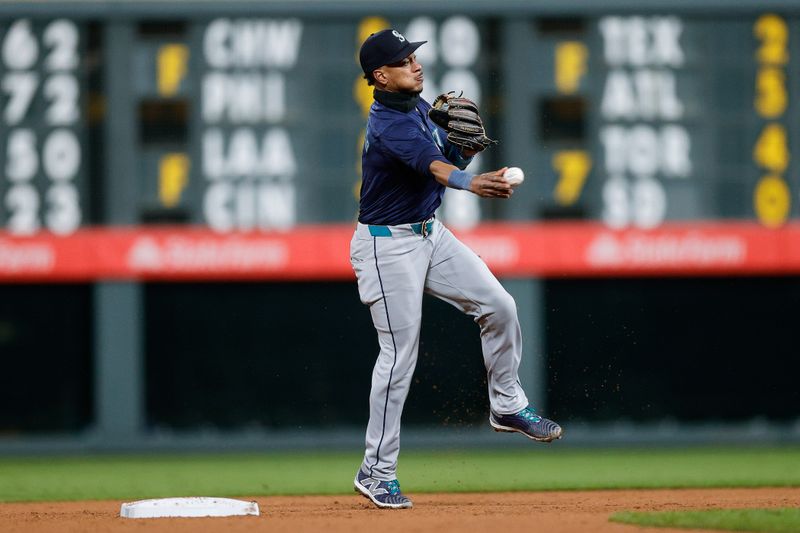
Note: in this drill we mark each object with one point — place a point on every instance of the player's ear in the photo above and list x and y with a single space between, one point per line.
379 76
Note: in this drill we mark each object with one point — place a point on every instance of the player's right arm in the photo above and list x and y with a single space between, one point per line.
406 142
487 185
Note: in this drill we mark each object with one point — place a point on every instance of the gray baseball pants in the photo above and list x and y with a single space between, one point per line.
395 265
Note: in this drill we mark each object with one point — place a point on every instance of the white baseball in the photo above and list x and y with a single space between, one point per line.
514 176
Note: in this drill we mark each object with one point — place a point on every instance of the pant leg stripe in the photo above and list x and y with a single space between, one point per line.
394 346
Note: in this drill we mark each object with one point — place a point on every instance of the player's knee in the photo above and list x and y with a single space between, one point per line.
504 307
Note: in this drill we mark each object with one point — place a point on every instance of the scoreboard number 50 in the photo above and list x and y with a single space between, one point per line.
42 150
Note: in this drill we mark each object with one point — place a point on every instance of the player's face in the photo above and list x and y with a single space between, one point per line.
404 76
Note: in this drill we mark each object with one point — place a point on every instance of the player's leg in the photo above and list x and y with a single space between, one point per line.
390 274
458 276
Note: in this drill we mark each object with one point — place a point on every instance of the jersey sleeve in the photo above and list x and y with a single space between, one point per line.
406 141
453 152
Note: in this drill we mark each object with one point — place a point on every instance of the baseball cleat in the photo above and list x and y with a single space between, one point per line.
384 494
528 423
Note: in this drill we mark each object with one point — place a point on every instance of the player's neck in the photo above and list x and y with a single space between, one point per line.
404 102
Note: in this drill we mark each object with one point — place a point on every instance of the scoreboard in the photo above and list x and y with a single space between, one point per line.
278 125
640 120
252 124
43 185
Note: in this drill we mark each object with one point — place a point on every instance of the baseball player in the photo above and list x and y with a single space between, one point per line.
400 250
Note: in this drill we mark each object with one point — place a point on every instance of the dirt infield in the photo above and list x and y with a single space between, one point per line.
529 511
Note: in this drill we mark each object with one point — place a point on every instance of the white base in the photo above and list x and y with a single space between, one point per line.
187 507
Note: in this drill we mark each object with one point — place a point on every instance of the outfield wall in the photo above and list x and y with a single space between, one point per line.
178 188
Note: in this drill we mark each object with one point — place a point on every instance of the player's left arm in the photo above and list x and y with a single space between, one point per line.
460 157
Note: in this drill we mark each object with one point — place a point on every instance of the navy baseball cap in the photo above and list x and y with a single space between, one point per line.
384 48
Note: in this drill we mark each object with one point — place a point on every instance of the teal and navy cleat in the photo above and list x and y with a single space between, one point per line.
528 423
385 494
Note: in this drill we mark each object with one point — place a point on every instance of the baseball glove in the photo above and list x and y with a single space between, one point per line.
459 117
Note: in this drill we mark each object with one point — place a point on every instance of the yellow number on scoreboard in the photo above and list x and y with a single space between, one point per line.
172 68
772 201
570 63
573 166
771 97
771 30
173 177
771 150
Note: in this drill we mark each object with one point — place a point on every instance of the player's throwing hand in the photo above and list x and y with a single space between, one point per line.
491 185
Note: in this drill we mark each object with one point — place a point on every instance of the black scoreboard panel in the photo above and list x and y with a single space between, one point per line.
634 120
256 123
43 171
274 127
647 119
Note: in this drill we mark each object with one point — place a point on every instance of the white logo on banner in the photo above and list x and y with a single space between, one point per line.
26 257
145 254
207 255
666 250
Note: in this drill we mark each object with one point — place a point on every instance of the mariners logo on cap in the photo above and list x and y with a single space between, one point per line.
384 48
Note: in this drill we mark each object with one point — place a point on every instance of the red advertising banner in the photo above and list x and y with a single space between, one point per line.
321 252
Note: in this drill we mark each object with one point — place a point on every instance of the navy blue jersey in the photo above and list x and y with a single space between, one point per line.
397 185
